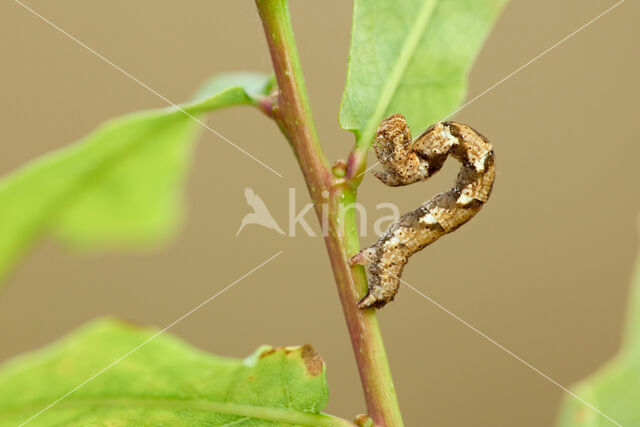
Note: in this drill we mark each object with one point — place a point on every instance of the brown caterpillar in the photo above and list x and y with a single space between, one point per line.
405 163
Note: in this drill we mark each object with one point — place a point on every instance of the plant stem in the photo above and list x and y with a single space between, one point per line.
291 109
293 114
366 339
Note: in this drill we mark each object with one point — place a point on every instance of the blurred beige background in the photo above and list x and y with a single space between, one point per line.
547 262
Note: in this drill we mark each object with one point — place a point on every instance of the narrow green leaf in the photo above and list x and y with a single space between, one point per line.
615 388
121 185
164 382
411 57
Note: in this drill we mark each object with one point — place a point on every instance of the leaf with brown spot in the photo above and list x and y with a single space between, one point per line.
164 382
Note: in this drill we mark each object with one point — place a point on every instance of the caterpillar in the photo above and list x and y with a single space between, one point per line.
404 162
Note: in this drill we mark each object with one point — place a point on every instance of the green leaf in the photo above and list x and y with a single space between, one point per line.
411 57
615 389
121 185
164 382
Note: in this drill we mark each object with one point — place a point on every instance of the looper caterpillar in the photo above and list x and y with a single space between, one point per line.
404 163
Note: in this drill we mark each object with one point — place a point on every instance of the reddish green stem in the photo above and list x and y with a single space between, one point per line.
292 113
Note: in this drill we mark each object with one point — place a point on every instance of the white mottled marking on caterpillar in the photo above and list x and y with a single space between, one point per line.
428 219
464 199
404 163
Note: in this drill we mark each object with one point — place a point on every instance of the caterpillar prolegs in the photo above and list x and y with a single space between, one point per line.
404 163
